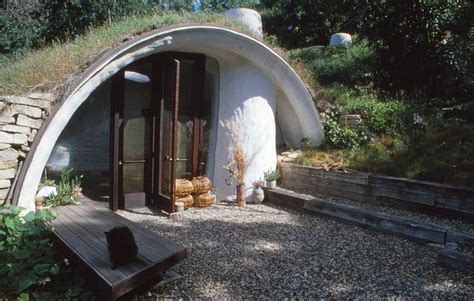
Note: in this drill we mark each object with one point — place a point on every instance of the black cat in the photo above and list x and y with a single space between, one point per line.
122 246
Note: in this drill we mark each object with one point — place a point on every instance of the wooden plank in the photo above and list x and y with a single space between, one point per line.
305 188
153 250
460 238
364 186
374 220
404 195
93 235
352 177
113 219
327 183
79 229
455 199
85 253
456 260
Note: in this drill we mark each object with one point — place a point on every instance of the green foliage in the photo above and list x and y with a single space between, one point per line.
308 22
392 117
351 66
71 18
53 65
19 31
65 190
271 175
336 135
26 253
422 46
31 25
30 268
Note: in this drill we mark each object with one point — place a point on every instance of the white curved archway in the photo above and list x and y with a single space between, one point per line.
296 113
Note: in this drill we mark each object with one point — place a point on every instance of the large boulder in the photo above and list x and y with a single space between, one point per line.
340 39
247 17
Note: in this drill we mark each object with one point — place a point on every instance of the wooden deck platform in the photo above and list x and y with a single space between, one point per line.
79 230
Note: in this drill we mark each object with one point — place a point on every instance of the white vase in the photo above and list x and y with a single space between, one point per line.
258 196
271 184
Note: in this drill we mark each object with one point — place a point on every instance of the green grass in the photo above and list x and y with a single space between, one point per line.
352 66
52 66
442 154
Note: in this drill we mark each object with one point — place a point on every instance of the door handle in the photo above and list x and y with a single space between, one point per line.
181 160
168 158
120 162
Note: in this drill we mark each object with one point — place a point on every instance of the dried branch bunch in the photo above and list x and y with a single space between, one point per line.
234 128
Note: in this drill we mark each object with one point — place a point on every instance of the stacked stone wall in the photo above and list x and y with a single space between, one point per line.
20 119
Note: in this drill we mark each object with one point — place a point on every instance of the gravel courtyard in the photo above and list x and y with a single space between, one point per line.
267 251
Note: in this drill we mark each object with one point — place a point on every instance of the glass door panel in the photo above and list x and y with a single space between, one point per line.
136 128
165 173
185 133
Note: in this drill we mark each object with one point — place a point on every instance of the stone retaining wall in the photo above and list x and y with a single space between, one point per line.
20 119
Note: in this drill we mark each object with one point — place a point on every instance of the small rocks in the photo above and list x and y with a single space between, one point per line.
268 252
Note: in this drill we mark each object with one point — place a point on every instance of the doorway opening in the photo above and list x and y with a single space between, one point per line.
159 129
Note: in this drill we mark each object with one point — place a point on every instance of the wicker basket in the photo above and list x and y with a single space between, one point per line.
201 185
187 200
183 187
203 200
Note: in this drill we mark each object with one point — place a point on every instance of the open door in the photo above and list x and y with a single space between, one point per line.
156 129
165 133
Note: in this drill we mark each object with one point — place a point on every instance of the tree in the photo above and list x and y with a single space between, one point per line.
422 45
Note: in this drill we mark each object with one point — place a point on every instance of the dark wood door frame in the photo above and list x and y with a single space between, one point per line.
197 87
160 89
116 200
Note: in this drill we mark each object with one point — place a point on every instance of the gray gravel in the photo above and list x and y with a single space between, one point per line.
267 251
459 224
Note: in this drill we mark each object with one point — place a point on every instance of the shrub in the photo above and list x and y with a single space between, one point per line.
20 30
29 264
26 253
351 66
338 136
271 175
381 116
65 190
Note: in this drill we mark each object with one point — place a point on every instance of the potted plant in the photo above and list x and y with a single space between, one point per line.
258 194
238 163
271 176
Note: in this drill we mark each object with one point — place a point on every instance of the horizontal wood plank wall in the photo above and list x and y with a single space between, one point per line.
361 186
318 181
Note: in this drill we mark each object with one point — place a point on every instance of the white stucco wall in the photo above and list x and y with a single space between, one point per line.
244 86
263 68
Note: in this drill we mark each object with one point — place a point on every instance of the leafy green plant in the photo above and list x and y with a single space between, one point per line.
26 253
338 136
65 190
29 264
272 175
351 66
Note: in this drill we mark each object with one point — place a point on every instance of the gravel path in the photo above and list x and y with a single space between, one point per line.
378 206
267 251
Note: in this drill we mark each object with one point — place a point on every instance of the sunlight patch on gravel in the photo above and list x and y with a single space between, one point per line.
267 251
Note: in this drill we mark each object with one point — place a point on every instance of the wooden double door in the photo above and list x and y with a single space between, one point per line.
158 114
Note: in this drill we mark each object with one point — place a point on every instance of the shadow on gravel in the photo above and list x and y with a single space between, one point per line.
268 251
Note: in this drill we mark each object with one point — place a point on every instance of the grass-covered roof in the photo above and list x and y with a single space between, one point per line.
48 68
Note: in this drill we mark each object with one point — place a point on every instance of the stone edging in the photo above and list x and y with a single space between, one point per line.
20 119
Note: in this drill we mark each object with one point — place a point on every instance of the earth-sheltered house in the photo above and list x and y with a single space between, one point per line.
147 112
